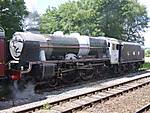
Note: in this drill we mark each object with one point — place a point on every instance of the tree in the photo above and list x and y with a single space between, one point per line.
147 53
135 21
121 19
50 22
12 13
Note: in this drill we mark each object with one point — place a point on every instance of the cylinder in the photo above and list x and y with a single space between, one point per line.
59 46
51 46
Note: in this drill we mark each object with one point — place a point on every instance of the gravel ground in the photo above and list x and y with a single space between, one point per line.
127 103
147 111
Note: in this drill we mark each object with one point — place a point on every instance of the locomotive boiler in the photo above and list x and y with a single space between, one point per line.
57 46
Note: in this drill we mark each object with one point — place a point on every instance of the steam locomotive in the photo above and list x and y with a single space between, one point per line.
53 57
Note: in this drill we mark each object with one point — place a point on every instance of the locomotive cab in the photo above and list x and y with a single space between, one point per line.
114 49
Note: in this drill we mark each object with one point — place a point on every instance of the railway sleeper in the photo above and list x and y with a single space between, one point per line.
88 100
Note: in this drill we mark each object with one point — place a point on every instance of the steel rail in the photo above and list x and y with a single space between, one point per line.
144 108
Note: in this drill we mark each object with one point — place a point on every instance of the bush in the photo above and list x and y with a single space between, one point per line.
147 53
146 66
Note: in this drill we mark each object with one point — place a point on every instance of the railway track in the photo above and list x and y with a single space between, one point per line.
144 108
79 101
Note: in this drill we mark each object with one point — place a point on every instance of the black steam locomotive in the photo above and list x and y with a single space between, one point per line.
56 56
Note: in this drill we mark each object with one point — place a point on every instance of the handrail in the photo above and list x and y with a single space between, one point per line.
28 70
1 29
2 32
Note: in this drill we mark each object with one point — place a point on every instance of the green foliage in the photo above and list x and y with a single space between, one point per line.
12 13
146 66
46 106
121 19
147 53
70 17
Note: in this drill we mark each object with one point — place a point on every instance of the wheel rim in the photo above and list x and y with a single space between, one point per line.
86 75
53 82
69 77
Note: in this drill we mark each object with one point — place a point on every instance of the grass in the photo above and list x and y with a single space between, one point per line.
46 106
146 65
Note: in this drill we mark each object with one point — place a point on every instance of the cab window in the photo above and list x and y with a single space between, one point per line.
108 44
113 46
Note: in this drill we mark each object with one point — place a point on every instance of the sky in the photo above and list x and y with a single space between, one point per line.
42 5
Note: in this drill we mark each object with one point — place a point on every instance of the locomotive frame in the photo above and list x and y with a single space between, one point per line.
43 58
